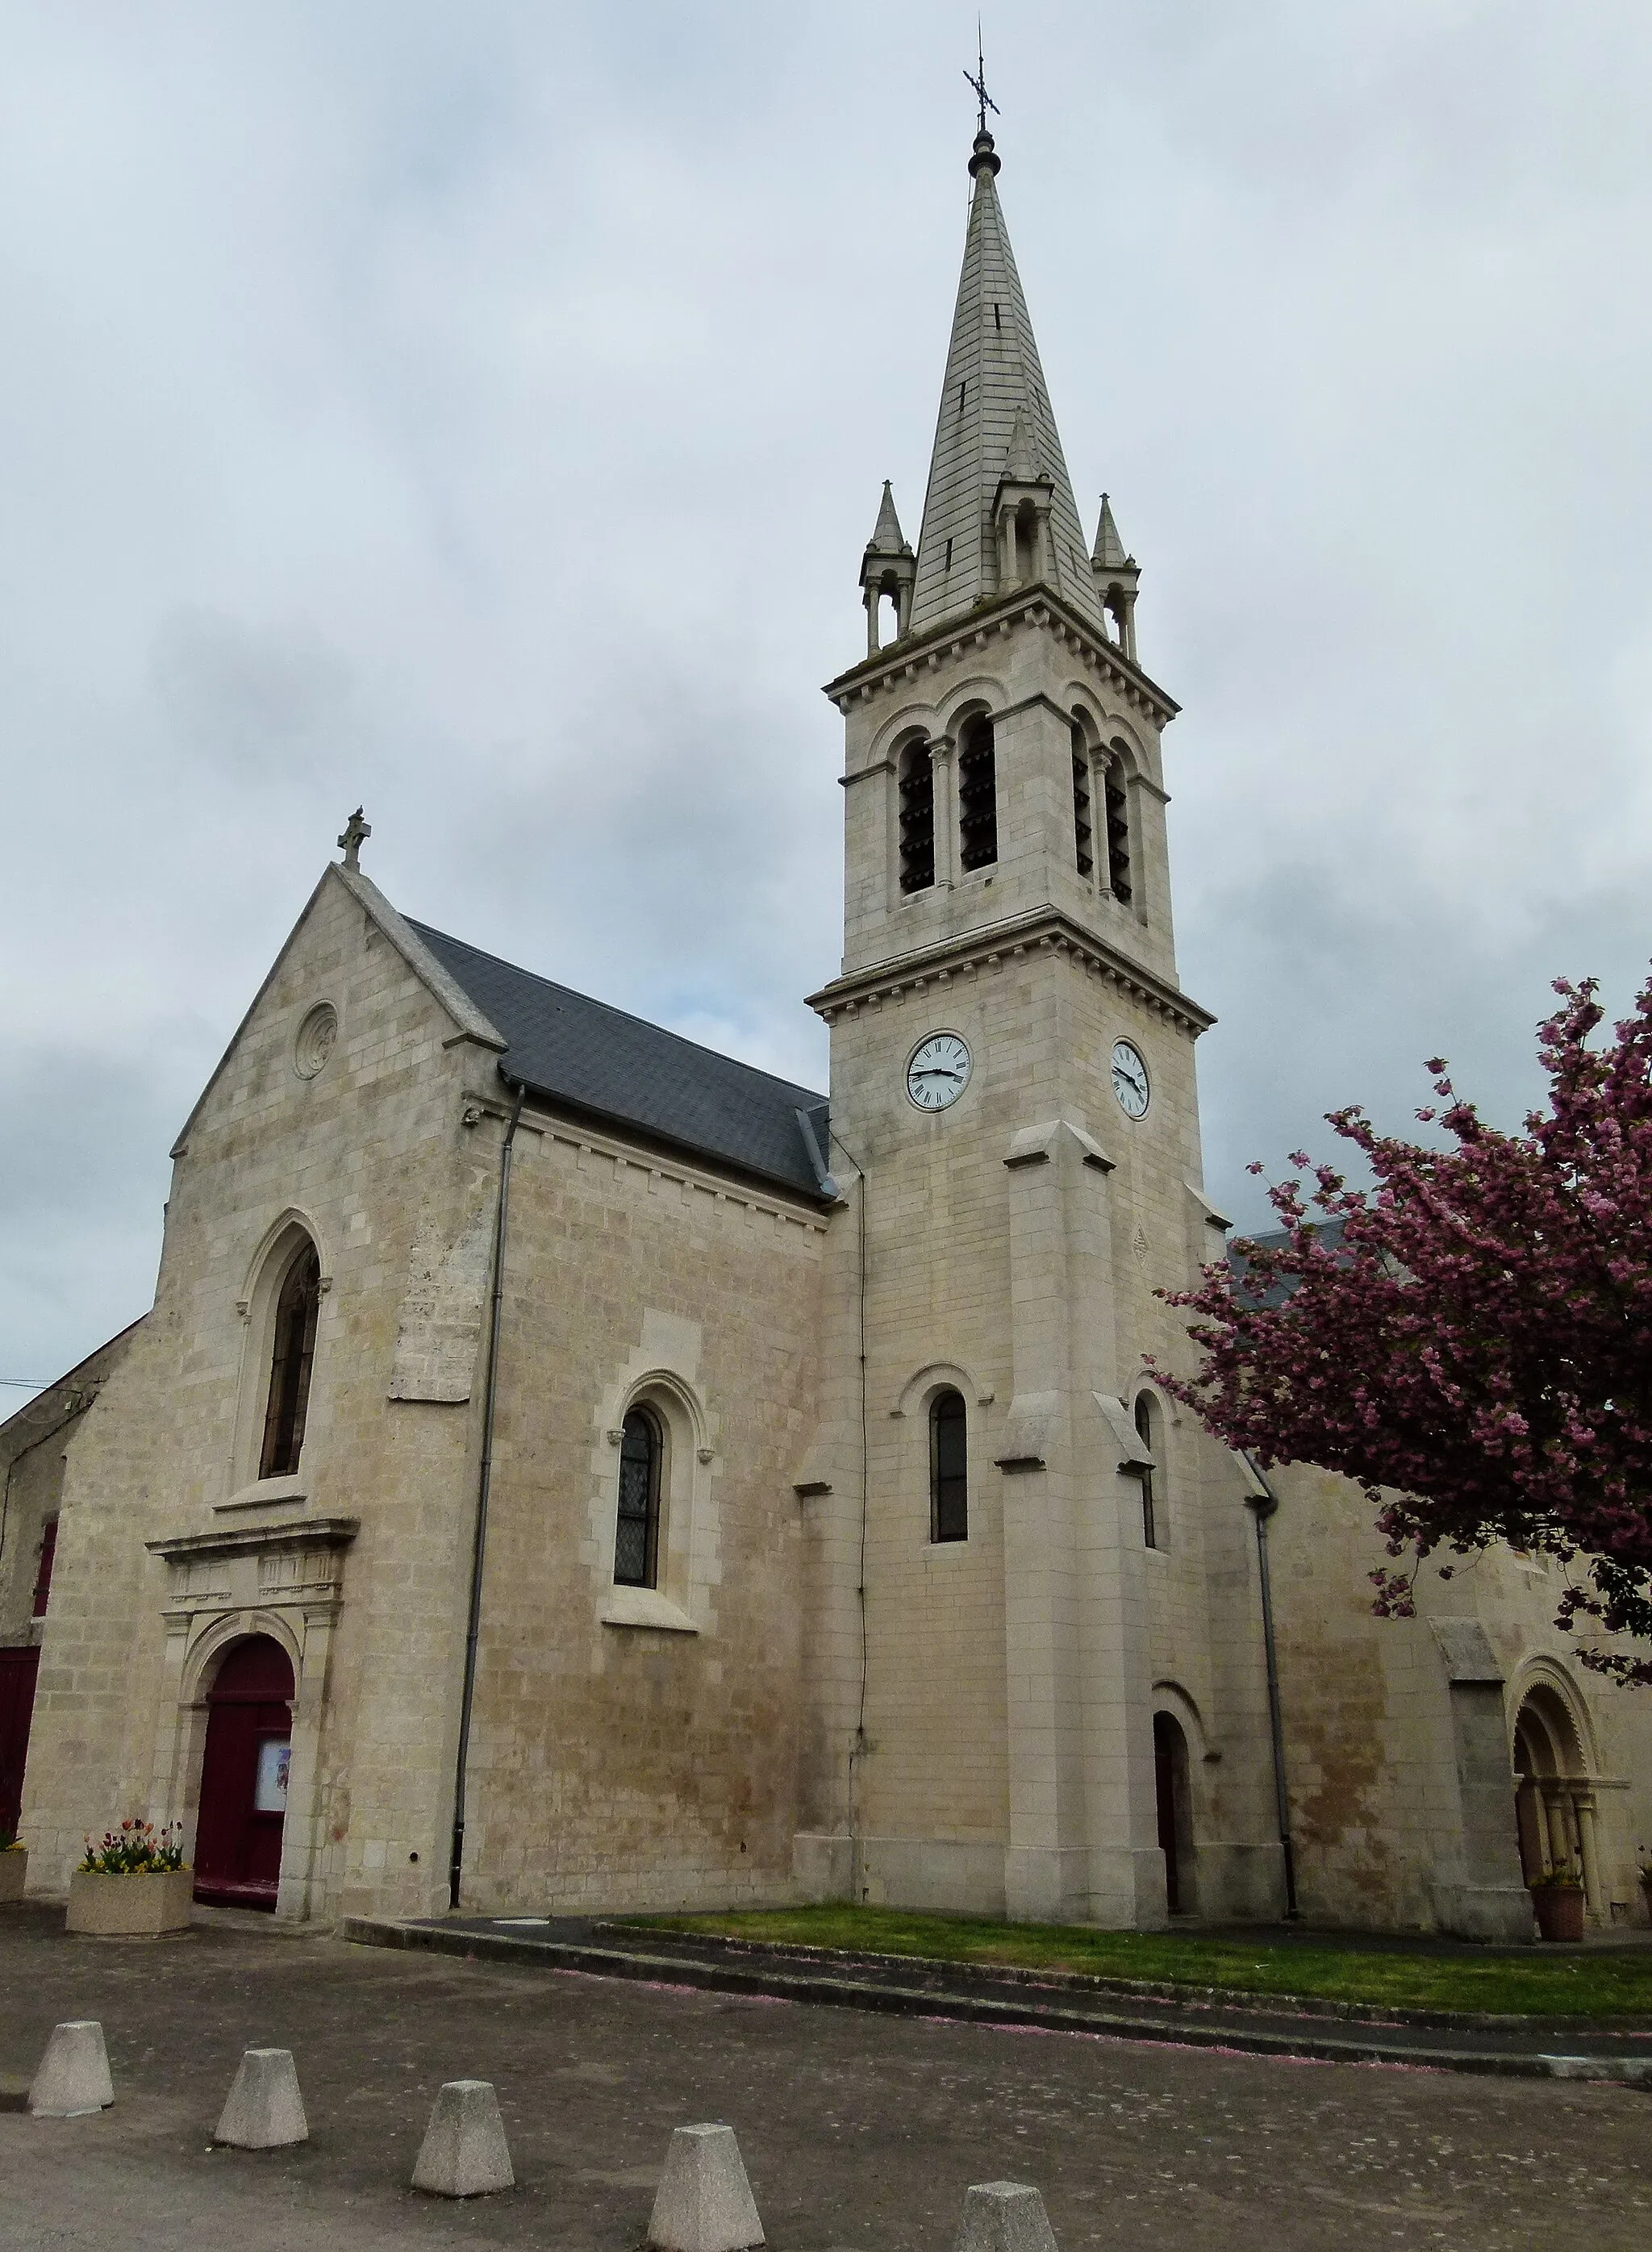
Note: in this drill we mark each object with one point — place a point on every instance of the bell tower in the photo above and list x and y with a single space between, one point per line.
1009 1534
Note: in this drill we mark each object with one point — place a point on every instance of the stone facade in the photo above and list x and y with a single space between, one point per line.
1059 1706
616 1760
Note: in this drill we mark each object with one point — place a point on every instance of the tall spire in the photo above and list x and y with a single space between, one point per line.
995 427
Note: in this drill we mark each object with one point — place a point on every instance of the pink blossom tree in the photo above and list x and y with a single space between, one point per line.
1469 1340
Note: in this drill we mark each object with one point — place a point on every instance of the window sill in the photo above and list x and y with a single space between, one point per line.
265 1493
646 1607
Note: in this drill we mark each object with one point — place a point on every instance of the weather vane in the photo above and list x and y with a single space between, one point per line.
978 79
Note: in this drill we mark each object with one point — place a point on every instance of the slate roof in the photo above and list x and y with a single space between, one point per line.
583 1055
1328 1231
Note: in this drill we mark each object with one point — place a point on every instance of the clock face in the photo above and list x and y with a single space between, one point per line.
938 1072
1130 1080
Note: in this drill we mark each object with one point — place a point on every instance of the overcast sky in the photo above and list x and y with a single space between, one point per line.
479 411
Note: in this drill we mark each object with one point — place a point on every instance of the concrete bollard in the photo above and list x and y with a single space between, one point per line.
1004 2217
74 2078
265 2111
464 2152
704 2202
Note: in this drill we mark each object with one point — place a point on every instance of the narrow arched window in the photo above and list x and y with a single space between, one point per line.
917 818
977 797
1145 1420
1117 806
296 1308
43 1574
948 1469
636 1539
1084 858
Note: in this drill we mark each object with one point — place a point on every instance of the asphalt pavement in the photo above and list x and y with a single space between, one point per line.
860 2129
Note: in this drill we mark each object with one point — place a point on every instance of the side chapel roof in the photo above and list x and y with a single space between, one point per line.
597 1060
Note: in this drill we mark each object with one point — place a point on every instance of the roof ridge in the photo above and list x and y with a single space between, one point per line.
610 1008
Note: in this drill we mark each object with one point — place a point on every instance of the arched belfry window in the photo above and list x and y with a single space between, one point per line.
917 818
977 797
297 1306
949 1468
1146 1425
636 1539
1083 828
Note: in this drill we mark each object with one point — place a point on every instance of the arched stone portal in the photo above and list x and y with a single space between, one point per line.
244 1770
1173 1789
1555 1792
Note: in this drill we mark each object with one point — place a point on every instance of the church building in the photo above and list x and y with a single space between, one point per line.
566 1469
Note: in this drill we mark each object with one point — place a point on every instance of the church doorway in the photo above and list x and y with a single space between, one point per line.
1174 1793
1555 1795
249 1728
18 1670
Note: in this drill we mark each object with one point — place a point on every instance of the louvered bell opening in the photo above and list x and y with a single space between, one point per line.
1081 831
977 797
1117 841
917 819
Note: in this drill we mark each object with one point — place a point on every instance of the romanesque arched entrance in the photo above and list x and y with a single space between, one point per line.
237 1838
1173 1787
1555 1794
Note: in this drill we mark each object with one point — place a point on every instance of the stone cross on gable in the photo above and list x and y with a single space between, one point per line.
357 831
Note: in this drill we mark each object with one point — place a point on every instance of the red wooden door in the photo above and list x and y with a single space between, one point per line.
237 1836
18 1670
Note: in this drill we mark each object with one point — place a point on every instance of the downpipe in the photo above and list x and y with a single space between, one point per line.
479 1541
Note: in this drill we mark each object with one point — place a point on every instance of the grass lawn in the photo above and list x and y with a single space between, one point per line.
1616 1985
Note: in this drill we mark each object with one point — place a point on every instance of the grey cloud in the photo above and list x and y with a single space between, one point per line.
481 412
240 696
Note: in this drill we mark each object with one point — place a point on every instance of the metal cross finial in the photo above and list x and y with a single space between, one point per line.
357 831
978 79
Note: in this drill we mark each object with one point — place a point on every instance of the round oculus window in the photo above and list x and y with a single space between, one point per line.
315 1042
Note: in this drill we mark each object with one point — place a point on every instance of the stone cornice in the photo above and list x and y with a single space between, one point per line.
236 1539
1039 605
1044 930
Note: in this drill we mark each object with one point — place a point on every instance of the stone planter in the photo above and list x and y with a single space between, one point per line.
14 1874
129 1908
1559 1911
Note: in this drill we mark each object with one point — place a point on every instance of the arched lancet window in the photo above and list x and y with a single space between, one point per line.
636 1539
977 797
1117 806
949 1468
917 818
1083 857
1152 1496
297 1309
1025 536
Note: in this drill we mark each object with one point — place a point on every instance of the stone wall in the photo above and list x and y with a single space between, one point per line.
1395 1728
634 1761
35 1445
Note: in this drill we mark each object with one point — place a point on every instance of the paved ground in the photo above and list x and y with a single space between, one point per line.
858 2132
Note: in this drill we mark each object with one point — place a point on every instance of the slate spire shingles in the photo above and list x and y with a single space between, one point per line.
994 380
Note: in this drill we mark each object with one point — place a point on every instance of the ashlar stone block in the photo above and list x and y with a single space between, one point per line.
74 2078
464 2152
704 2202
1004 2217
265 2111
